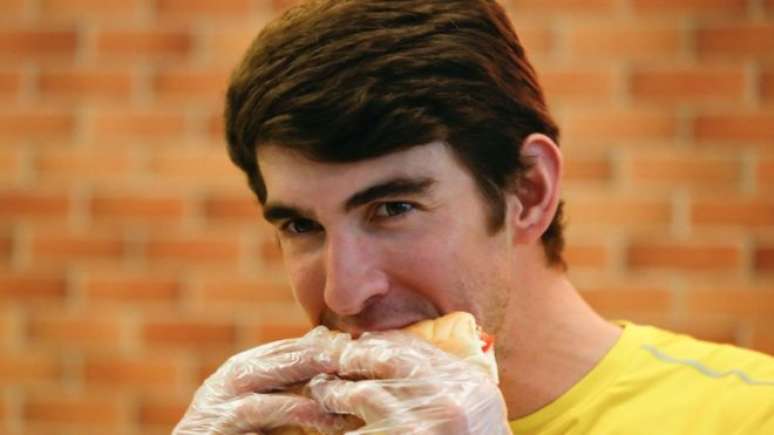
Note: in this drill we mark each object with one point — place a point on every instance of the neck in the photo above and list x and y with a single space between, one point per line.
554 339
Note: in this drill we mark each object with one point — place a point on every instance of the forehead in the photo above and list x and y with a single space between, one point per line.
287 174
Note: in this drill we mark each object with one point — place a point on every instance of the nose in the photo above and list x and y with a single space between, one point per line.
352 273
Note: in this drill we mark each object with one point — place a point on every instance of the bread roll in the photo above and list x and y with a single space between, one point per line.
455 333
458 334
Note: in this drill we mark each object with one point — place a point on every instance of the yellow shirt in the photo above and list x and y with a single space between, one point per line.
657 382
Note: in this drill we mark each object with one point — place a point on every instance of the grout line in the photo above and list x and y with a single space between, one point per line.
755 10
681 215
753 80
14 398
748 182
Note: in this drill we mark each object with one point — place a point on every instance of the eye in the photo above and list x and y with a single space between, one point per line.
300 226
390 209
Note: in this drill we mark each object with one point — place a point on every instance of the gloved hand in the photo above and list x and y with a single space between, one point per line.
394 381
400 384
245 394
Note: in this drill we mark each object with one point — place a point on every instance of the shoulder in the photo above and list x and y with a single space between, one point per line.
730 387
711 360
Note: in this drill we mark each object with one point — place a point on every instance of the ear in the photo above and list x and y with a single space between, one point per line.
532 204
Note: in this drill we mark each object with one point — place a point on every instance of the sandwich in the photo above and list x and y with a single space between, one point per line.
456 333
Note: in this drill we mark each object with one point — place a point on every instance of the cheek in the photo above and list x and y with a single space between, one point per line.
452 267
307 283
429 266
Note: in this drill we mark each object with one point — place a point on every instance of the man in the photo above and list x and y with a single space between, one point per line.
405 155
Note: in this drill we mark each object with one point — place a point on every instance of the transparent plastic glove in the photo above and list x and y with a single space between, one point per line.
245 394
400 384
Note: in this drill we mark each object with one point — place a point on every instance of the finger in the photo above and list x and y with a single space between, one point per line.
264 412
390 355
365 399
269 374
279 364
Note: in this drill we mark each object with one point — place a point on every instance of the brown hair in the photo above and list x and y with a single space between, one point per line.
345 80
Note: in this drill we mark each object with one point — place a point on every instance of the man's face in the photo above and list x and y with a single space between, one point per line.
382 243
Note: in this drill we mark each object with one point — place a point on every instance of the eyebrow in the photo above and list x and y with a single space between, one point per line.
388 189
276 211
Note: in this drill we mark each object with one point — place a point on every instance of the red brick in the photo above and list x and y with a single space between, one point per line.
580 169
67 331
216 127
161 412
683 256
6 246
72 247
7 324
77 428
538 40
117 126
606 211
764 259
27 125
12 8
762 338
765 171
242 207
692 7
717 331
10 83
282 5
568 7
89 8
271 331
77 84
767 85
134 206
736 40
211 362
187 84
586 255
10 164
140 44
89 411
269 251
736 127
30 287
57 166
194 249
744 303
621 125
685 169
207 167
26 204
137 372
29 367
577 83
744 213
239 293
228 46
38 44
203 8
617 301
693 84
624 42
129 289
194 334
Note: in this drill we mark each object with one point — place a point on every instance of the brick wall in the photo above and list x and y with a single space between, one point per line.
133 261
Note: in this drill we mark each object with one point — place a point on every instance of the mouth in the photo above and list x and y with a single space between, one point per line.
356 328
382 314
